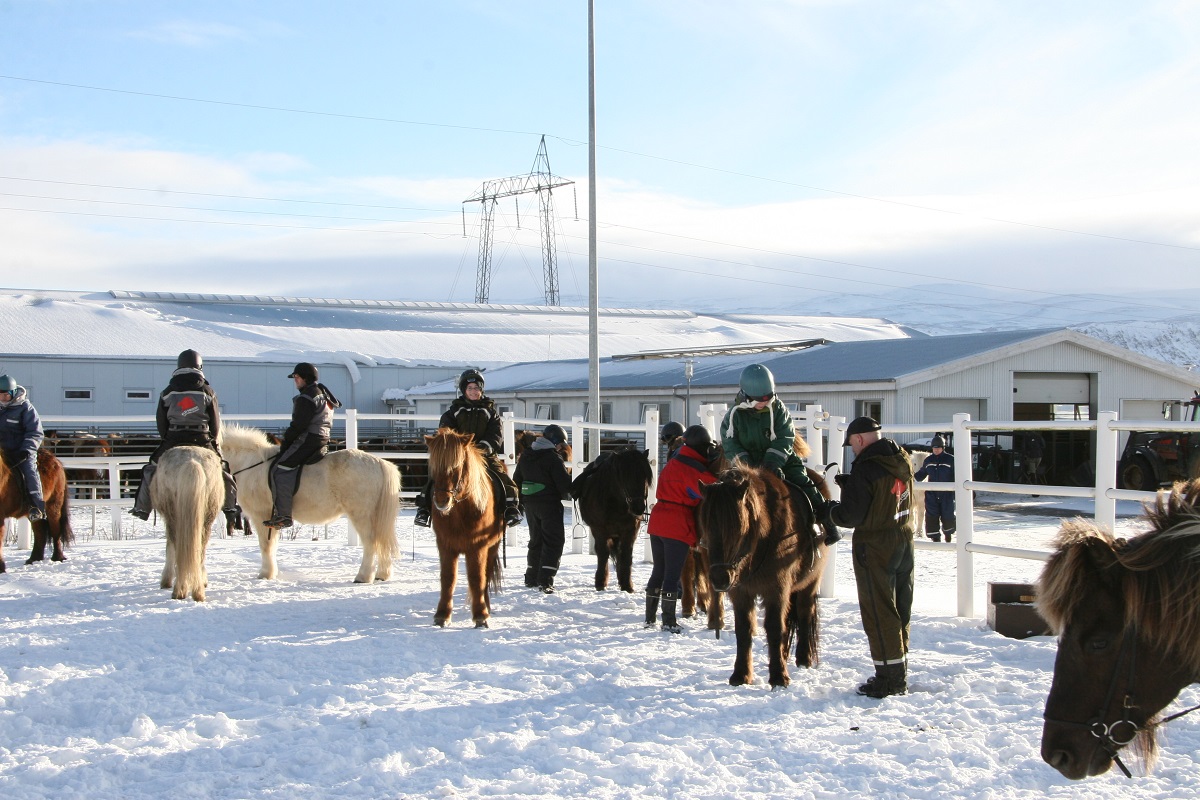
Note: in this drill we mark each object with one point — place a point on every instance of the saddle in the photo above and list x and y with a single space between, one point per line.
577 485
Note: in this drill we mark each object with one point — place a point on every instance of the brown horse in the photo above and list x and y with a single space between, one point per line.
56 527
1127 614
612 503
466 522
762 543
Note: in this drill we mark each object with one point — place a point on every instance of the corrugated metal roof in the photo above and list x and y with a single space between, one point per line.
842 362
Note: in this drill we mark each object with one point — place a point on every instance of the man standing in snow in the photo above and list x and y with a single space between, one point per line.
876 499
939 506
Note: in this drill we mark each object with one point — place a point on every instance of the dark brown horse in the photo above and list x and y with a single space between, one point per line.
762 543
612 503
466 522
56 527
1127 614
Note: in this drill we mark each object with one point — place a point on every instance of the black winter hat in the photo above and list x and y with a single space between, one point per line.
861 425
555 435
305 370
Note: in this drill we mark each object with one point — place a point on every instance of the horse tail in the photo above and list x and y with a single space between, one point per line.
383 518
188 527
64 535
494 568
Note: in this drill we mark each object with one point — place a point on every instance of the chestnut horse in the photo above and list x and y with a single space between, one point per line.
187 491
466 522
1127 615
612 503
762 542
56 527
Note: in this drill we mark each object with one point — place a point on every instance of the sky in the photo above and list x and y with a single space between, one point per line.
756 155
313 686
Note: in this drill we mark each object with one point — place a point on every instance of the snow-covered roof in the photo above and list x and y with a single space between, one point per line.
129 324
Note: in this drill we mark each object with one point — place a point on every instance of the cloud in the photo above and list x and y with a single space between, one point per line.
189 33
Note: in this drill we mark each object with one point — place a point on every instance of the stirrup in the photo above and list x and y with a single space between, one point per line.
278 522
512 516
36 514
423 518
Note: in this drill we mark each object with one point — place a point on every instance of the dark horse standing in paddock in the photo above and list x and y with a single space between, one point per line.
762 542
56 527
1127 615
612 503
466 522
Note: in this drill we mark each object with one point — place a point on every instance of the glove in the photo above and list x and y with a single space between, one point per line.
826 514
841 478
832 534
778 471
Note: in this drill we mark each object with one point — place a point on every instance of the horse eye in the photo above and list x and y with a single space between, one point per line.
1098 645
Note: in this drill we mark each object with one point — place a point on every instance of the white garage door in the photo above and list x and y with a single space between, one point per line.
943 409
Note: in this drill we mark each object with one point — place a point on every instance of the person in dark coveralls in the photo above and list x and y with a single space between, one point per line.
474 412
188 414
304 442
21 435
759 431
939 506
672 525
876 501
544 482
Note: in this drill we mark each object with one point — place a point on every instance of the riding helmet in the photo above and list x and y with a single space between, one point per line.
7 384
757 382
555 435
698 438
469 376
670 431
306 371
189 359
938 441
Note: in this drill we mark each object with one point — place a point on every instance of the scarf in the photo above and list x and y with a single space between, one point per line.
748 405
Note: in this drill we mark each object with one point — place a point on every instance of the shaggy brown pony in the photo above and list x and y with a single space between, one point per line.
1127 615
466 522
762 543
56 527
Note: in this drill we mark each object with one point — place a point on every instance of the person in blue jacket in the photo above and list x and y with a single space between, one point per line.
21 435
939 506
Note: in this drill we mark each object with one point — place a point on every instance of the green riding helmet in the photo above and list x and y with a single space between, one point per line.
757 382
7 384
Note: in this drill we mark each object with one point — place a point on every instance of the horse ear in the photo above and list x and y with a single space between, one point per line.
428 439
647 454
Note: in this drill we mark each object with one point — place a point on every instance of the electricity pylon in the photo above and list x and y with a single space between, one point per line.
538 180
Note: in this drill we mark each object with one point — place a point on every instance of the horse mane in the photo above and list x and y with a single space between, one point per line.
238 437
761 498
451 451
1157 573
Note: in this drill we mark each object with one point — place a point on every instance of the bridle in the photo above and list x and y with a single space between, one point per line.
1113 736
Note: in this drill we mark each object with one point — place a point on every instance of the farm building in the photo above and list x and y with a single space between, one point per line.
1006 375
110 353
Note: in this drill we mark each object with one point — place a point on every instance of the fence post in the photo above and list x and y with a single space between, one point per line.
351 444
24 540
1106 470
837 449
812 435
964 502
578 543
114 493
508 428
651 425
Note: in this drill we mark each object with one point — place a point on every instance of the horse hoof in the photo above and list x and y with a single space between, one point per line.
59 557
738 680
3 568
441 623
483 623
32 560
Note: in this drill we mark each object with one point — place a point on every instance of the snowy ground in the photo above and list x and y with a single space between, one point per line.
312 686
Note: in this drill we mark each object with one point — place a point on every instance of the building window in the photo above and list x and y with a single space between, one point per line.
546 411
869 408
77 394
664 412
605 412
138 394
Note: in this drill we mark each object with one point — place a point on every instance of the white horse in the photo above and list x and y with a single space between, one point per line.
358 485
917 457
187 491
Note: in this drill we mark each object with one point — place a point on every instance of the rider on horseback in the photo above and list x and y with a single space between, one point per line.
759 431
474 412
20 437
304 441
188 414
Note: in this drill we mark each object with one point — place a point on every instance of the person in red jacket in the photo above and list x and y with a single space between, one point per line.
672 525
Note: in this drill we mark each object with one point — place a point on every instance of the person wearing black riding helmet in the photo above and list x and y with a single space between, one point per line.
474 412
544 482
188 414
304 442
20 437
671 437
672 525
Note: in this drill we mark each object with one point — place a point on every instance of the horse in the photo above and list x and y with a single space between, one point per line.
762 543
188 490
363 487
466 522
56 527
1127 616
917 511
612 503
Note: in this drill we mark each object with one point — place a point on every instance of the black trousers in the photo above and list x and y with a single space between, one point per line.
669 557
547 535
285 471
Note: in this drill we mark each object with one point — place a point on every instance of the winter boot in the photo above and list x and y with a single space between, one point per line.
889 679
531 577
935 537
949 536
233 518
652 596
512 514
423 501
547 584
669 623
